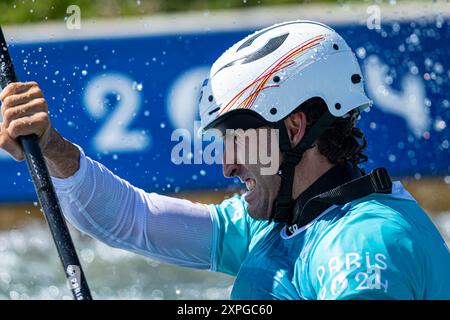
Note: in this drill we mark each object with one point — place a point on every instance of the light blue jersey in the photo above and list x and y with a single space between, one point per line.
382 246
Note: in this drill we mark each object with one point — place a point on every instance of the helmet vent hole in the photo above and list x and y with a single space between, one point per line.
210 98
214 111
276 79
273 111
337 106
356 78
335 46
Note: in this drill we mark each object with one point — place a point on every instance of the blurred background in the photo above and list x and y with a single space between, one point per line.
145 61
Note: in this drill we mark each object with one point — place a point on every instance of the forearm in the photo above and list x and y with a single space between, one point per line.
62 157
110 209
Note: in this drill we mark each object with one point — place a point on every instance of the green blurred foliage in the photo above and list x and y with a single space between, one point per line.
23 11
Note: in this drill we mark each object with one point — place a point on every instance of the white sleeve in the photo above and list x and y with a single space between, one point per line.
110 209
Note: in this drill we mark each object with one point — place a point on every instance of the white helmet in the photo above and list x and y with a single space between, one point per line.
274 70
266 76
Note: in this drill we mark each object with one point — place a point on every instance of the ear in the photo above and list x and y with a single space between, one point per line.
296 126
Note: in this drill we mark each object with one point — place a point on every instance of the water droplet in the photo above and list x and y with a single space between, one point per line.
447 179
439 125
396 27
361 52
413 39
87 255
137 86
438 68
414 70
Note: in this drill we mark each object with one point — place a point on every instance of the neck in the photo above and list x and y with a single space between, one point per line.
311 168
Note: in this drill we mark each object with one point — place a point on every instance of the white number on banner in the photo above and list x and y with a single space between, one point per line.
115 134
182 101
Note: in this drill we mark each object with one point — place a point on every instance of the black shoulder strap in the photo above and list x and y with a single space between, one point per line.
378 181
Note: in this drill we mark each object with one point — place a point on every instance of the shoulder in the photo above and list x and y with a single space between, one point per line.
368 223
364 252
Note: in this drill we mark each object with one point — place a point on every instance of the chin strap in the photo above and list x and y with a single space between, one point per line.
283 204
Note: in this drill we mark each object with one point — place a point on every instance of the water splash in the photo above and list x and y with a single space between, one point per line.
30 269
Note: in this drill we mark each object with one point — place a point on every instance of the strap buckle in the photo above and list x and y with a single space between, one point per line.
283 206
381 181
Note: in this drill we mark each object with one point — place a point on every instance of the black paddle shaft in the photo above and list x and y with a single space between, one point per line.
46 193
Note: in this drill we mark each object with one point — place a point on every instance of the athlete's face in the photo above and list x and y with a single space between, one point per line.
253 156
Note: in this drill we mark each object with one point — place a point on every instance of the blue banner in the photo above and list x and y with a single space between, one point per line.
120 99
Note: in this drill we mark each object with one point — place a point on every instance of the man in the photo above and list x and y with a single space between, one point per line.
318 229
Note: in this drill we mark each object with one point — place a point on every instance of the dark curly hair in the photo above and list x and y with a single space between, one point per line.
342 141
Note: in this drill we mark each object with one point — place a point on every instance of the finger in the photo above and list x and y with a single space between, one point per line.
35 124
25 110
22 98
15 88
11 146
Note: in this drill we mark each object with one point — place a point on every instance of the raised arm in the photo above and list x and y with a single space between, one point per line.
99 203
110 209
